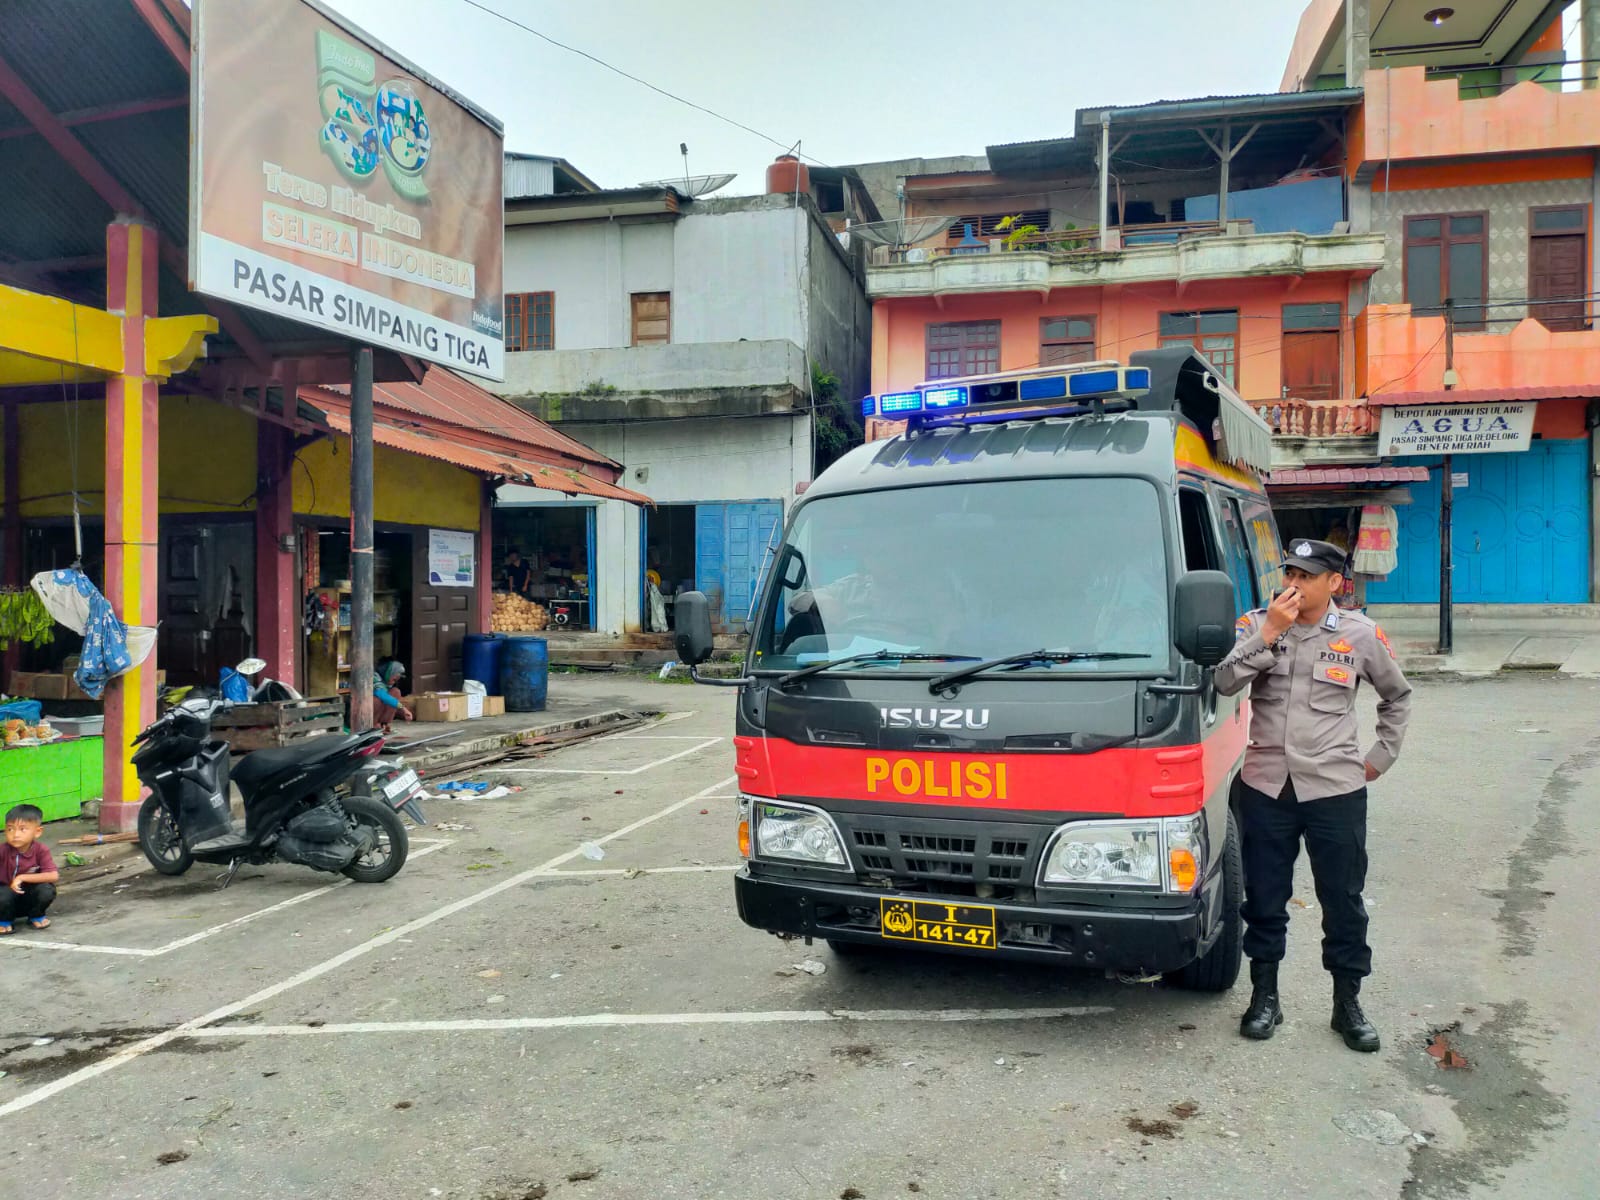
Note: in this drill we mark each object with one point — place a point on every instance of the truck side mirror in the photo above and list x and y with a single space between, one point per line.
691 628
1205 609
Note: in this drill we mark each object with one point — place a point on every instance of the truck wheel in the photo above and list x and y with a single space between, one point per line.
161 840
1218 968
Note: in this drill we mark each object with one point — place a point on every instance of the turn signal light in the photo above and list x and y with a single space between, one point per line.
744 838
1182 869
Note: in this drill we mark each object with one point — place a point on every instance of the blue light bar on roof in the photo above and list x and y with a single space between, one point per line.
869 406
1093 383
900 402
1051 387
942 398
1136 379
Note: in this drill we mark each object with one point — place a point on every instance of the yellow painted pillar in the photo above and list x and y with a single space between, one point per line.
132 472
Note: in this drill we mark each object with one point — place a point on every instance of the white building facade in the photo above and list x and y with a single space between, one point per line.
681 338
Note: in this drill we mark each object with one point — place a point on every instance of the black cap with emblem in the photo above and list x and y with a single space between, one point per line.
1314 558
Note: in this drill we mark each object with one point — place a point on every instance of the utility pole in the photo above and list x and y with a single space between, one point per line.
361 538
1447 496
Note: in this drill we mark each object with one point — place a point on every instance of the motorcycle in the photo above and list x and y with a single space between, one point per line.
294 810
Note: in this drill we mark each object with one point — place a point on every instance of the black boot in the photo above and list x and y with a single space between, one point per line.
1262 1018
1348 1019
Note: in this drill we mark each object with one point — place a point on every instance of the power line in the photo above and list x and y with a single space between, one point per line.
788 147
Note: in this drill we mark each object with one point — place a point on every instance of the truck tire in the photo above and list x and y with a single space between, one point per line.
161 840
1218 968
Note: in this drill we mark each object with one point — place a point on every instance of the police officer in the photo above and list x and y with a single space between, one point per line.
1303 660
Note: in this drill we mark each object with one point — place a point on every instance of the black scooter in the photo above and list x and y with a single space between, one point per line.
291 809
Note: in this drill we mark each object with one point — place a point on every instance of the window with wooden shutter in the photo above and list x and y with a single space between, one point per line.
652 318
1064 340
1311 351
957 348
985 225
530 319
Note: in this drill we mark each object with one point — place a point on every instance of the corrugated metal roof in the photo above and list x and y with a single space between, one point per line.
1312 476
436 444
1566 391
478 415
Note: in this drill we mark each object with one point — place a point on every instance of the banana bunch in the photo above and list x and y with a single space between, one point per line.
23 618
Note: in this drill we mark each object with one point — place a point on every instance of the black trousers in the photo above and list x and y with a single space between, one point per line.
35 898
1335 832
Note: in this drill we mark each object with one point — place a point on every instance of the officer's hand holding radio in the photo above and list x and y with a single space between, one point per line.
1281 614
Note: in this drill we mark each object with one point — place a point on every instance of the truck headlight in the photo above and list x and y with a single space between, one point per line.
1169 853
1105 852
797 833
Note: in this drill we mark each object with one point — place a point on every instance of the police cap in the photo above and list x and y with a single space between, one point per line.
1314 558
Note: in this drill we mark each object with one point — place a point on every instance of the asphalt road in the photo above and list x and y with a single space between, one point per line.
512 1018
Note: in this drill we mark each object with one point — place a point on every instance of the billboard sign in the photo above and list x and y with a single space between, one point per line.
1455 428
337 185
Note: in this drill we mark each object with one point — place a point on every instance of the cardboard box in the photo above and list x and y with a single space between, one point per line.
52 687
21 684
494 706
440 706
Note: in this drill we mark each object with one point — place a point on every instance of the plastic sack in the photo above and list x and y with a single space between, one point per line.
26 711
235 687
473 688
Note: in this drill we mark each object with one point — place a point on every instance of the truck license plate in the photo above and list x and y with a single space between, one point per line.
966 925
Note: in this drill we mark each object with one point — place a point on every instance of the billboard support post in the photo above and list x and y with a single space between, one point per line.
361 538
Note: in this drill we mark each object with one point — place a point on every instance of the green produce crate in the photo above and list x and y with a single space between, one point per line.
58 777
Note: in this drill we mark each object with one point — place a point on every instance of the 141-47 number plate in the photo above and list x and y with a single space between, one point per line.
966 925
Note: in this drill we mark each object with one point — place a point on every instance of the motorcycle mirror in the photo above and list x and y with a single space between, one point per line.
251 666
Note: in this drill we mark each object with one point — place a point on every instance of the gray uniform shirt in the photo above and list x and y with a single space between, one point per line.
1303 700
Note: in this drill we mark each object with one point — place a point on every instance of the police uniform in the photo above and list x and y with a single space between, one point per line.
1305 776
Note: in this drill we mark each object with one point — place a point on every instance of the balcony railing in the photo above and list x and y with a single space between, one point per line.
1317 418
1058 243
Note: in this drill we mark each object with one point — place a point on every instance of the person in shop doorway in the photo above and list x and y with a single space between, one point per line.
517 574
1305 776
388 701
28 874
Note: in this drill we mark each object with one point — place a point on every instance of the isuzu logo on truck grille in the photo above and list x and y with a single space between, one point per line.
935 718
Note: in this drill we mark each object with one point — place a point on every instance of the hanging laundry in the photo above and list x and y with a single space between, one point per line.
1377 543
109 647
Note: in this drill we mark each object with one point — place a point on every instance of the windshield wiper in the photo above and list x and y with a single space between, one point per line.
941 682
869 656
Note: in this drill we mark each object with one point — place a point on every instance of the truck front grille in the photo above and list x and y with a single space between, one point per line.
960 853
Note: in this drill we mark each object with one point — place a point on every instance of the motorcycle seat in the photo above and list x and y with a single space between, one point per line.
261 765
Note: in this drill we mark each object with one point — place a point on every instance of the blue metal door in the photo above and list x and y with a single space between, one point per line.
731 543
1521 531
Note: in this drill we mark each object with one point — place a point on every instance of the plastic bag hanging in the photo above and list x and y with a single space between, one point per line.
110 647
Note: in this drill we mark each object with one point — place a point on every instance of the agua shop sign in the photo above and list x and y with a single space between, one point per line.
1455 428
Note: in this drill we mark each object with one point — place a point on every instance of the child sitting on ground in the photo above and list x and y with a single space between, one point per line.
27 872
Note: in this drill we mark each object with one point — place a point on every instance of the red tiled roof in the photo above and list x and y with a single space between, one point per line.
445 397
487 455
1326 475
1575 391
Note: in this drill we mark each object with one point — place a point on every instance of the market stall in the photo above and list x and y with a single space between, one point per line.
1352 507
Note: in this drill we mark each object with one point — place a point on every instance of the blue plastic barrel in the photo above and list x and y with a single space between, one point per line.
525 673
481 655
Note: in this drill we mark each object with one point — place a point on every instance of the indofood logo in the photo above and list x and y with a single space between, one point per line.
368 124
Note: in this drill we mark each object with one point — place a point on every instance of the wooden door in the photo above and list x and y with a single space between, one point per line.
439 620
183 645
1557 268
1311 365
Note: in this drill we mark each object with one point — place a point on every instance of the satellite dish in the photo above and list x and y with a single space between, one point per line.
691 185
903 231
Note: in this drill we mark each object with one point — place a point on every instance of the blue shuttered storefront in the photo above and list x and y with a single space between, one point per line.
731 545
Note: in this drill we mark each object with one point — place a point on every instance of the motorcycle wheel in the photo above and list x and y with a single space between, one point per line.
385 859
161 840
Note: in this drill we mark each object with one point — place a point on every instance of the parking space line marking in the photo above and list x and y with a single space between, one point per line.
813 1016
138 1049
650 766
429 845
642 871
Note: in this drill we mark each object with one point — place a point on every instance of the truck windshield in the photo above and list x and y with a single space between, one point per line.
973 570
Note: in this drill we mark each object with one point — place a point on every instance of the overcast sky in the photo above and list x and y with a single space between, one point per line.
854 82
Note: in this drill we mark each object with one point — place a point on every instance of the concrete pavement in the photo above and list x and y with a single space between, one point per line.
556 998
1564 638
